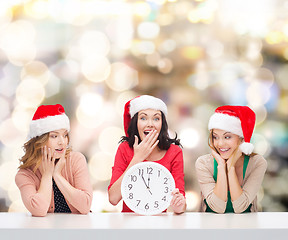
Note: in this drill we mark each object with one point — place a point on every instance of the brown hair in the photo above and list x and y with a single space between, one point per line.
33 155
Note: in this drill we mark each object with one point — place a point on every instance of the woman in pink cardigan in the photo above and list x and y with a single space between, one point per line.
52 178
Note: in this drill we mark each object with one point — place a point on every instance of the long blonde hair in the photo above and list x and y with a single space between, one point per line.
33 155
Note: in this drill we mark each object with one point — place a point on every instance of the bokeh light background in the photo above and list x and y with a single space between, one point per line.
92 56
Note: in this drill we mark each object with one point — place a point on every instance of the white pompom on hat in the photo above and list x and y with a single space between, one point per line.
239 120
48 118
141 103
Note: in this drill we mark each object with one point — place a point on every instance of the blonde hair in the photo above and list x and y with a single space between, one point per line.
33 154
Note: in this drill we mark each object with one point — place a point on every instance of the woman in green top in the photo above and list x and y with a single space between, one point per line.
231 175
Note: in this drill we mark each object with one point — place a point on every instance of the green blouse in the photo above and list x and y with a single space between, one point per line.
229 206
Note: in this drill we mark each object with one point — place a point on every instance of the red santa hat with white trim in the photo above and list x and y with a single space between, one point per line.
48 118
141 103
239 120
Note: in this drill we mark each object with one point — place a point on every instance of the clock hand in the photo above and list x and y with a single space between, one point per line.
148 181
146 184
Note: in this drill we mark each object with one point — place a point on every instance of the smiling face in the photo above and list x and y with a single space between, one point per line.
58 141
225 142
148 120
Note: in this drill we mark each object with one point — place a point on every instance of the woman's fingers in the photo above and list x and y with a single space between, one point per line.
49 155
150 138
178 198
155 144
53 158
136 141
154 137
217 157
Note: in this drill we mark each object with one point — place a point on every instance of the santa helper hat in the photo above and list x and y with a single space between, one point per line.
141 103
48 118
239 120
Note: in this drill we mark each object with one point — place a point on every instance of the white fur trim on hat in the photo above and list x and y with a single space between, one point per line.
147 102
225 122
48 124
246 148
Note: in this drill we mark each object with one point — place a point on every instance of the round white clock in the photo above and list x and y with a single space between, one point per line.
146 188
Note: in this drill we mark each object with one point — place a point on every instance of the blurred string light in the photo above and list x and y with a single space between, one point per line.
9 80
19 52
281 76
122 77
148 30
261 145
191 132
9 134
37 9
189 137
121 101
203 12
90 110
275 132
21 117
142 47
96 68
201 79
30 93
275 37
102 204
165 65
192 200
76 12
192 52
8 171
153 59
37 83
253 20
253 50
167 46
282 105
141 8
90 43
100 165
261 113
36 70
4 113
257 94
215 49
67 70
109 138
6 14
94 43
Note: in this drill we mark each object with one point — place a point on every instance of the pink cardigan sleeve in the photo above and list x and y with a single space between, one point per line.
82 198
35 202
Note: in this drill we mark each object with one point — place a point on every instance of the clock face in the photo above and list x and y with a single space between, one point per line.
146 188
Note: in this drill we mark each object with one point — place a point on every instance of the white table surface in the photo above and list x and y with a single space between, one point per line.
264 225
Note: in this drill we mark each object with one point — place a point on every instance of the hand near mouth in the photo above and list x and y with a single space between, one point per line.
231 162
48 161
144 149
60 164
218 158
